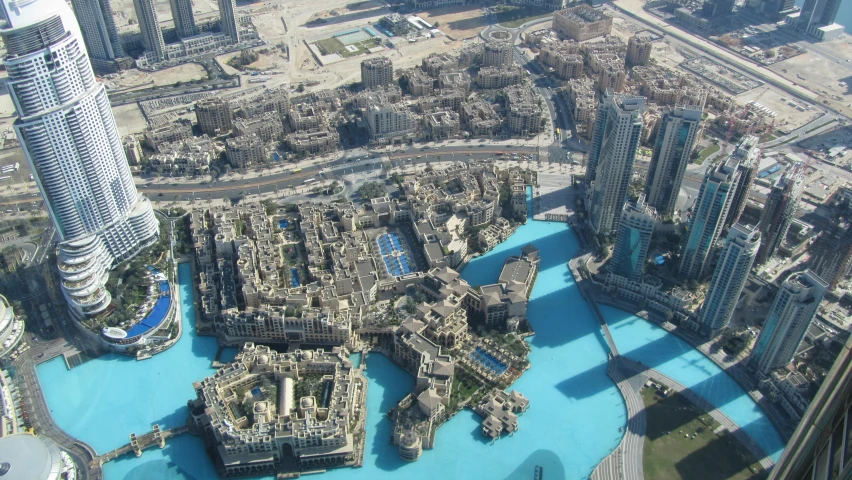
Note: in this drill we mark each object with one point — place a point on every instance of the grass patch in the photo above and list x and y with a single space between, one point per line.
708 456
328 46
821 125
767 137
707 152
514 17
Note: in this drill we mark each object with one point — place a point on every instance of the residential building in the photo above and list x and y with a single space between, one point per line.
149 24
779 211
214 116
635 229
176 131
305 116
612 77
313 142
11 334
817 449
376 71
708 217
270 100
729 278
774 10
245 151
442 125
132 149
816 18
581 23
395 23
638 50
676 139
480 119
648 291
184 18
614 142
747 154
388 123
72 145
831 253
580 94
99 32
499 77
228 20
497 54
788 320
524 116
267 126
563 58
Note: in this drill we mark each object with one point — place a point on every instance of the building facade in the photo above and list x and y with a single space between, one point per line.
99 31
748 155
676 138
729 278
581 23
70 138
149 24
789 317
614 142
184 18
778 214
638 50
708 217
497 54
634 238
214 116
376 72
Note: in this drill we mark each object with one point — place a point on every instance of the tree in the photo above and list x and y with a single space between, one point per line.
371 190
770 53
300 88
270 206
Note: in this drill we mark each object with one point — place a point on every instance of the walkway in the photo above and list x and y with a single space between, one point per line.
764 460
155 437
625 462
39 413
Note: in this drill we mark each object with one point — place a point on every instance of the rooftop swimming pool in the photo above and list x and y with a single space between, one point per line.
574 419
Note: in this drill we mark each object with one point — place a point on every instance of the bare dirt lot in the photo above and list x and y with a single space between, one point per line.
129 119
823 76
135 78
789 117
459 21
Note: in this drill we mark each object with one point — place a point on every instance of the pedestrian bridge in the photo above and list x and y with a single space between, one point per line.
138 443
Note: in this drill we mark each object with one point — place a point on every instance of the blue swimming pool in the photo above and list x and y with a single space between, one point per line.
294 277
394 255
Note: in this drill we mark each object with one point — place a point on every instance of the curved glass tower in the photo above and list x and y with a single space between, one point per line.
68 133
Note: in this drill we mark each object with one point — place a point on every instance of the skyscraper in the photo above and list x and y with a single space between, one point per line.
634 237
69 136
98 29
149 24
819 448
228 19
184 18
376 72
831 253
816 14
748 156
729 278
675 140
789 318
616 138
778 213
708 216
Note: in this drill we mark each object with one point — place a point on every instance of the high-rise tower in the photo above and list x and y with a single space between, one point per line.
748 156
816 14
98 29
729 277
616 138
831 253
634 238
149 24
184 18
675 140
778 213
708 216
789 317
69 136
228 19
376 72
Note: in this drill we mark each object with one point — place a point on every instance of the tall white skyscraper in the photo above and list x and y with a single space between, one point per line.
98 29
68 133
149 25
635 229
789 318
184 18
675 140
729 277
708 217
748 155
228 19
616 138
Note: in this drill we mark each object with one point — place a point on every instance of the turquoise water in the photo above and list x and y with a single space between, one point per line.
573 421
640 340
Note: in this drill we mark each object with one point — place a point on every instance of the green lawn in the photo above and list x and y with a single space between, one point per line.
766 137
332 45
514 17
669 454
707 152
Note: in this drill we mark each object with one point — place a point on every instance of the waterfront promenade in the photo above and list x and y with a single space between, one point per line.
39 413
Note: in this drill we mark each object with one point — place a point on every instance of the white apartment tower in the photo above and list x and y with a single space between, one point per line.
618 129
149 25
729 278
184 18
708 217
778 213
228 19
69 136
98 29
634 238
675 140
789 318
376 72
